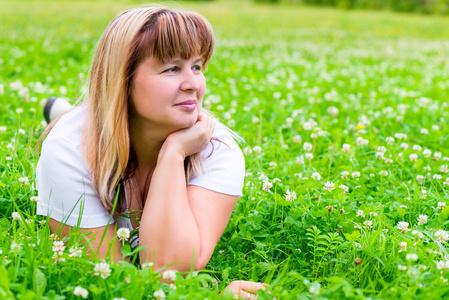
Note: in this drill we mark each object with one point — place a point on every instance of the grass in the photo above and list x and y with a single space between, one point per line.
282 76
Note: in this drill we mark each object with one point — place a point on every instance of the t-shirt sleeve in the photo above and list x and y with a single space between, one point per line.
64 187
223 168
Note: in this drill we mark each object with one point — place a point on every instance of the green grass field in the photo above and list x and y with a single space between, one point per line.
363 93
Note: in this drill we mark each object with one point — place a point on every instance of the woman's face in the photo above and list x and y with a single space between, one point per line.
168 95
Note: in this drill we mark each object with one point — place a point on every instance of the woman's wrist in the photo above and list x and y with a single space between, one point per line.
172 151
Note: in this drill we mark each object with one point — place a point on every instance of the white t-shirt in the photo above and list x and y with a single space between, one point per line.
65 188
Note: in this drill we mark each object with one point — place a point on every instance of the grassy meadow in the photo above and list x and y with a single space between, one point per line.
345 116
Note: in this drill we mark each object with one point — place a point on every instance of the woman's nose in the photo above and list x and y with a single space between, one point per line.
190 81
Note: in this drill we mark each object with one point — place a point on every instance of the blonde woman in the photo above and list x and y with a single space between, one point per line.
141 150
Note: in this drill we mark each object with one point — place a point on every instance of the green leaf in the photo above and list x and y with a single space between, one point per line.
39 281
4 282
51 295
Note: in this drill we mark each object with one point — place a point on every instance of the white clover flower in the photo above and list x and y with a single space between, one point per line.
344 174
2 129
437 155
427 153
424 131
307 146
446 182
257 149
400 136
333 111
423 194
316 176
422 219
404 146
435 127
418 233
380 155
300 160
123 234
368 224
35 199
290 195
420 179
355 174
360 213
444 169
263 177
273 165
159 295
309 156
413 157
313 136
402 267
75 252
329 186
389 140
267 186
442 236
58 246
359 141
297 139
411 257
172 286
403 226
15 247
437 176
247 150
403 246
383 173
358 245
344 188
381 149
417 148
21 131
322 133
170 275
346 148
441 205
289 122
315 288
81 292
24 180
147 265
442 265
19 110
102 269
373 214
15 216
276 180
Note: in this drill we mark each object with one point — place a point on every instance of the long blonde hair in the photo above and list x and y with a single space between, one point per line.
131 37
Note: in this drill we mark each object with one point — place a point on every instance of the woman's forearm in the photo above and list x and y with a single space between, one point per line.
168 228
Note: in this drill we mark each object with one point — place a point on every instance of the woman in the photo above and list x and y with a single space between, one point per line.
141 149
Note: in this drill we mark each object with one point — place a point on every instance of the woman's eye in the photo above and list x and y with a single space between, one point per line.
172 69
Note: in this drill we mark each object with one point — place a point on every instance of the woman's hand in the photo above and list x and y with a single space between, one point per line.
194 139
245 289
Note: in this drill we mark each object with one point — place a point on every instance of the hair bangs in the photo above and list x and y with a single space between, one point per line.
174 34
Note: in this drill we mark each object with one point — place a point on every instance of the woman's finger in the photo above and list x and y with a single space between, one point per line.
247 296
252 287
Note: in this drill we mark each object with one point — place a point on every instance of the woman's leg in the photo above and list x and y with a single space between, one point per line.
55 107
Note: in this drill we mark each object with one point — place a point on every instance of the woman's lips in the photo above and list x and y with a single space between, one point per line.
187 105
